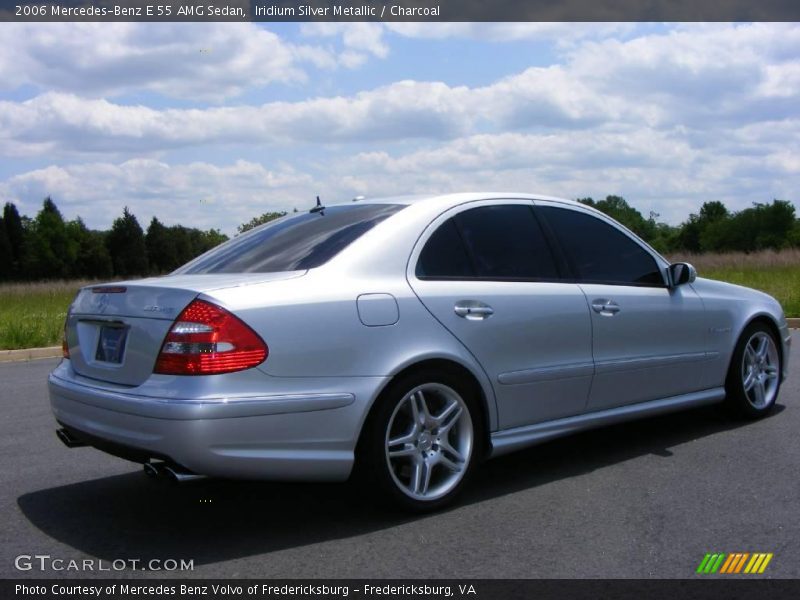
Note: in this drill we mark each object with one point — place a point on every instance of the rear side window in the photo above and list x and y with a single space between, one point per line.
599 252
444 255
297 242
489 242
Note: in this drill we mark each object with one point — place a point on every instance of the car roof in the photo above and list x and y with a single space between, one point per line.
455 198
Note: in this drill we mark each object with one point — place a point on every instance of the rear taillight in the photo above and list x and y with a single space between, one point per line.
64 345
206 339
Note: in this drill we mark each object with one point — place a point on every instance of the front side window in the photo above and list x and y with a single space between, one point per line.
293 243
600 253
500 242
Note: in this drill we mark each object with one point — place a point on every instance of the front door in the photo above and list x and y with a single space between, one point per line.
648 340
650 345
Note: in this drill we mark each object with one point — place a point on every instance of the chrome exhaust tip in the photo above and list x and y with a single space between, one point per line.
68 440
173 473
181 476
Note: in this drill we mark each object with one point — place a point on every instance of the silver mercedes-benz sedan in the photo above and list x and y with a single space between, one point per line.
407 339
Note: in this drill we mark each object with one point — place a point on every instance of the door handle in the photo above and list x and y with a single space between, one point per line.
607 308
473 310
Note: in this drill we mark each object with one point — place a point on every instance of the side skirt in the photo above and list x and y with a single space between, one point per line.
510 440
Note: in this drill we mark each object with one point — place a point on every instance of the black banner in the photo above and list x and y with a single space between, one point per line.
481 589
399 10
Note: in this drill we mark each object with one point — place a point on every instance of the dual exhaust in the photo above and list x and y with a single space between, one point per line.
170 472
156 470
69 440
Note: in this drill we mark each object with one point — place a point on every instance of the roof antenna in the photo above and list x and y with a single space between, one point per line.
318 208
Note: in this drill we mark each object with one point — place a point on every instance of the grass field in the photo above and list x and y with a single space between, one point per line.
32 314
776 273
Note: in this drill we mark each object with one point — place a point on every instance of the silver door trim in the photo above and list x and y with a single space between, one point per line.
546 373
650 362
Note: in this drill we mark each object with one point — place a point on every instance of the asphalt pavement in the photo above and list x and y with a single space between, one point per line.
646 499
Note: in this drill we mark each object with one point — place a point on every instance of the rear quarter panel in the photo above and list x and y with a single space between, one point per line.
312 328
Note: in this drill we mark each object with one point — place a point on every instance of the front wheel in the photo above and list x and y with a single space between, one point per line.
754 377
423 440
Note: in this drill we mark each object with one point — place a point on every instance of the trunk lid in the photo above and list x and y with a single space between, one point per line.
114 331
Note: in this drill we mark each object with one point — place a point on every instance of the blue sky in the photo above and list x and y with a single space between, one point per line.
209 124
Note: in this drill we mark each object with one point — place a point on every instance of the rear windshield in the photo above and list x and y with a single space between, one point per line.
293 243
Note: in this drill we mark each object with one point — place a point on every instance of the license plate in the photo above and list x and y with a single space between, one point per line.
111 345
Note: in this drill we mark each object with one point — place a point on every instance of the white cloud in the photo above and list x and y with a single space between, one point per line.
667 119
656 170
509 32
66 123
196 194
702 68
707 80
195 61
360 40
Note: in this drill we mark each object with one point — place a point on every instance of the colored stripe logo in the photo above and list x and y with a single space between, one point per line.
734 563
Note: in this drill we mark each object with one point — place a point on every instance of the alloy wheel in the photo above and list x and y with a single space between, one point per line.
760 364
429 441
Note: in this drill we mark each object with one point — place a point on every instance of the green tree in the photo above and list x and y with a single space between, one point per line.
618 208
16 237
759 227
183 244
6 255
51 252
264 218
666 237
714 225
702 231
213 237
190 243
776 223
203 241
93 260
794 235
126 245
162 255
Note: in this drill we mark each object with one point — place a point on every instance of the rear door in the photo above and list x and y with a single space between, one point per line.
649 340
486 272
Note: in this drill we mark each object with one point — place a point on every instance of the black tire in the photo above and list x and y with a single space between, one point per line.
392 479
754 397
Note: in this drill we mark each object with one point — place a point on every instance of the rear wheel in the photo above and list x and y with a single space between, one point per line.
423 440
754 375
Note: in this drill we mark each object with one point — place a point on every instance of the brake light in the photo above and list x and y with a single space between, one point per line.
64 345
206 339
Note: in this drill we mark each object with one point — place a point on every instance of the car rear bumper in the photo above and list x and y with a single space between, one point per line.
283 436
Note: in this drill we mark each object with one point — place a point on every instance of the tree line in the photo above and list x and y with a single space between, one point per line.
48 247
770 226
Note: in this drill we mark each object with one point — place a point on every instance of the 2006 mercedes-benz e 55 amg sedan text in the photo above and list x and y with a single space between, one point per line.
407 338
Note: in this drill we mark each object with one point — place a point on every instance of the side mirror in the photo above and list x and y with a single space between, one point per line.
680 273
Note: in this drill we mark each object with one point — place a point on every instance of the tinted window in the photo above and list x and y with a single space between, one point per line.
491 242
444 254
297 242
600 252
